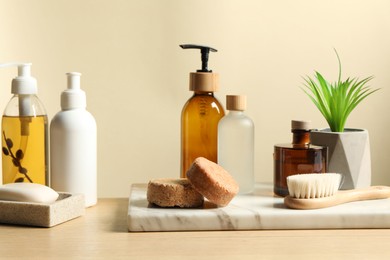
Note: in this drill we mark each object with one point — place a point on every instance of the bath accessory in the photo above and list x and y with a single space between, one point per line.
298 157
24 132
236 143
200 114
314 191
27 192
261 210
73 144
66 207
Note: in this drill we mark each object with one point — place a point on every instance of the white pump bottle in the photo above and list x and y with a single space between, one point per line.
73 144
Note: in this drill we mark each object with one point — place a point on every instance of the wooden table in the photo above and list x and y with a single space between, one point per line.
102 234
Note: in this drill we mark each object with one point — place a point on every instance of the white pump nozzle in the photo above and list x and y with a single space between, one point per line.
24 70
23 84
73 80
73 97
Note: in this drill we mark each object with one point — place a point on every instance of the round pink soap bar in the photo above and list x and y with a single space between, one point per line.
212 181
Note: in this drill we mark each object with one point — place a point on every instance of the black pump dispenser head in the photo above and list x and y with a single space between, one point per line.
204 50
203 80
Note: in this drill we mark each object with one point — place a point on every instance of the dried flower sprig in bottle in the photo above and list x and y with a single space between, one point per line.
24 131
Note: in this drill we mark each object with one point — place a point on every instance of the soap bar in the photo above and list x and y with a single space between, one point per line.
212 181
28 192
173 193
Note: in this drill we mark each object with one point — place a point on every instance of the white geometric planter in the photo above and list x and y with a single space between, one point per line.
348 153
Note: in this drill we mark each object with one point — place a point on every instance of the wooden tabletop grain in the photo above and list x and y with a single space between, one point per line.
102 234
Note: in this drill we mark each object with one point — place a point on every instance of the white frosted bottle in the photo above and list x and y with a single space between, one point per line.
236 143
73 144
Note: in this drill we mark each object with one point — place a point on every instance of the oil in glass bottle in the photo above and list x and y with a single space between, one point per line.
24 132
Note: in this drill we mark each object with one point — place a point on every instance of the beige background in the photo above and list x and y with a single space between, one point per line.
136 76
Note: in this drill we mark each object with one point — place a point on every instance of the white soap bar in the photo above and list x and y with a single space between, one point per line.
27 192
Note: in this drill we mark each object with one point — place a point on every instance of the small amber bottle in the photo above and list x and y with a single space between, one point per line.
298 157
200 115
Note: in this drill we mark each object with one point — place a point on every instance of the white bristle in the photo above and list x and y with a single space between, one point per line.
313 185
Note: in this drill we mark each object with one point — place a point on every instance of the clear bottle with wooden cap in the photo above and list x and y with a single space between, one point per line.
200 115
236 143
298 157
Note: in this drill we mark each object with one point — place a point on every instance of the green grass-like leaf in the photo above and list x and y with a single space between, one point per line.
336 101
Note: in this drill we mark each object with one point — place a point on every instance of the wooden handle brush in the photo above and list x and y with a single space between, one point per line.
315 191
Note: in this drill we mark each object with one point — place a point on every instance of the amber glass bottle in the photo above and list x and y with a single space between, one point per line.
199 125
201 114
298 157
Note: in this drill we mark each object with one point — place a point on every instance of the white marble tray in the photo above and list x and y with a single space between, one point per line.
261 210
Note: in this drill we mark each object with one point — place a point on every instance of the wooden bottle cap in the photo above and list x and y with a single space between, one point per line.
236 102
204 81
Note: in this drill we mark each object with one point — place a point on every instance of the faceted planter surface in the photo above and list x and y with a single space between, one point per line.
348 153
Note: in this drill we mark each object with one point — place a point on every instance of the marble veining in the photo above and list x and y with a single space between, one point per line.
257 211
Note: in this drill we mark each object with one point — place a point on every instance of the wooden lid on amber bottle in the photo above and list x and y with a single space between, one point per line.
300 125
236 102
204 81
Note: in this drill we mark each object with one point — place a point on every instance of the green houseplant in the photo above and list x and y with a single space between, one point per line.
336 101
348 148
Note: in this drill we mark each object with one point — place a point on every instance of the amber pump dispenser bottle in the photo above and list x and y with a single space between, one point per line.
201 114
24 135
298 157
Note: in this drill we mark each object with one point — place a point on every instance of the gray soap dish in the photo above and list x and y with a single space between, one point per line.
66 207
